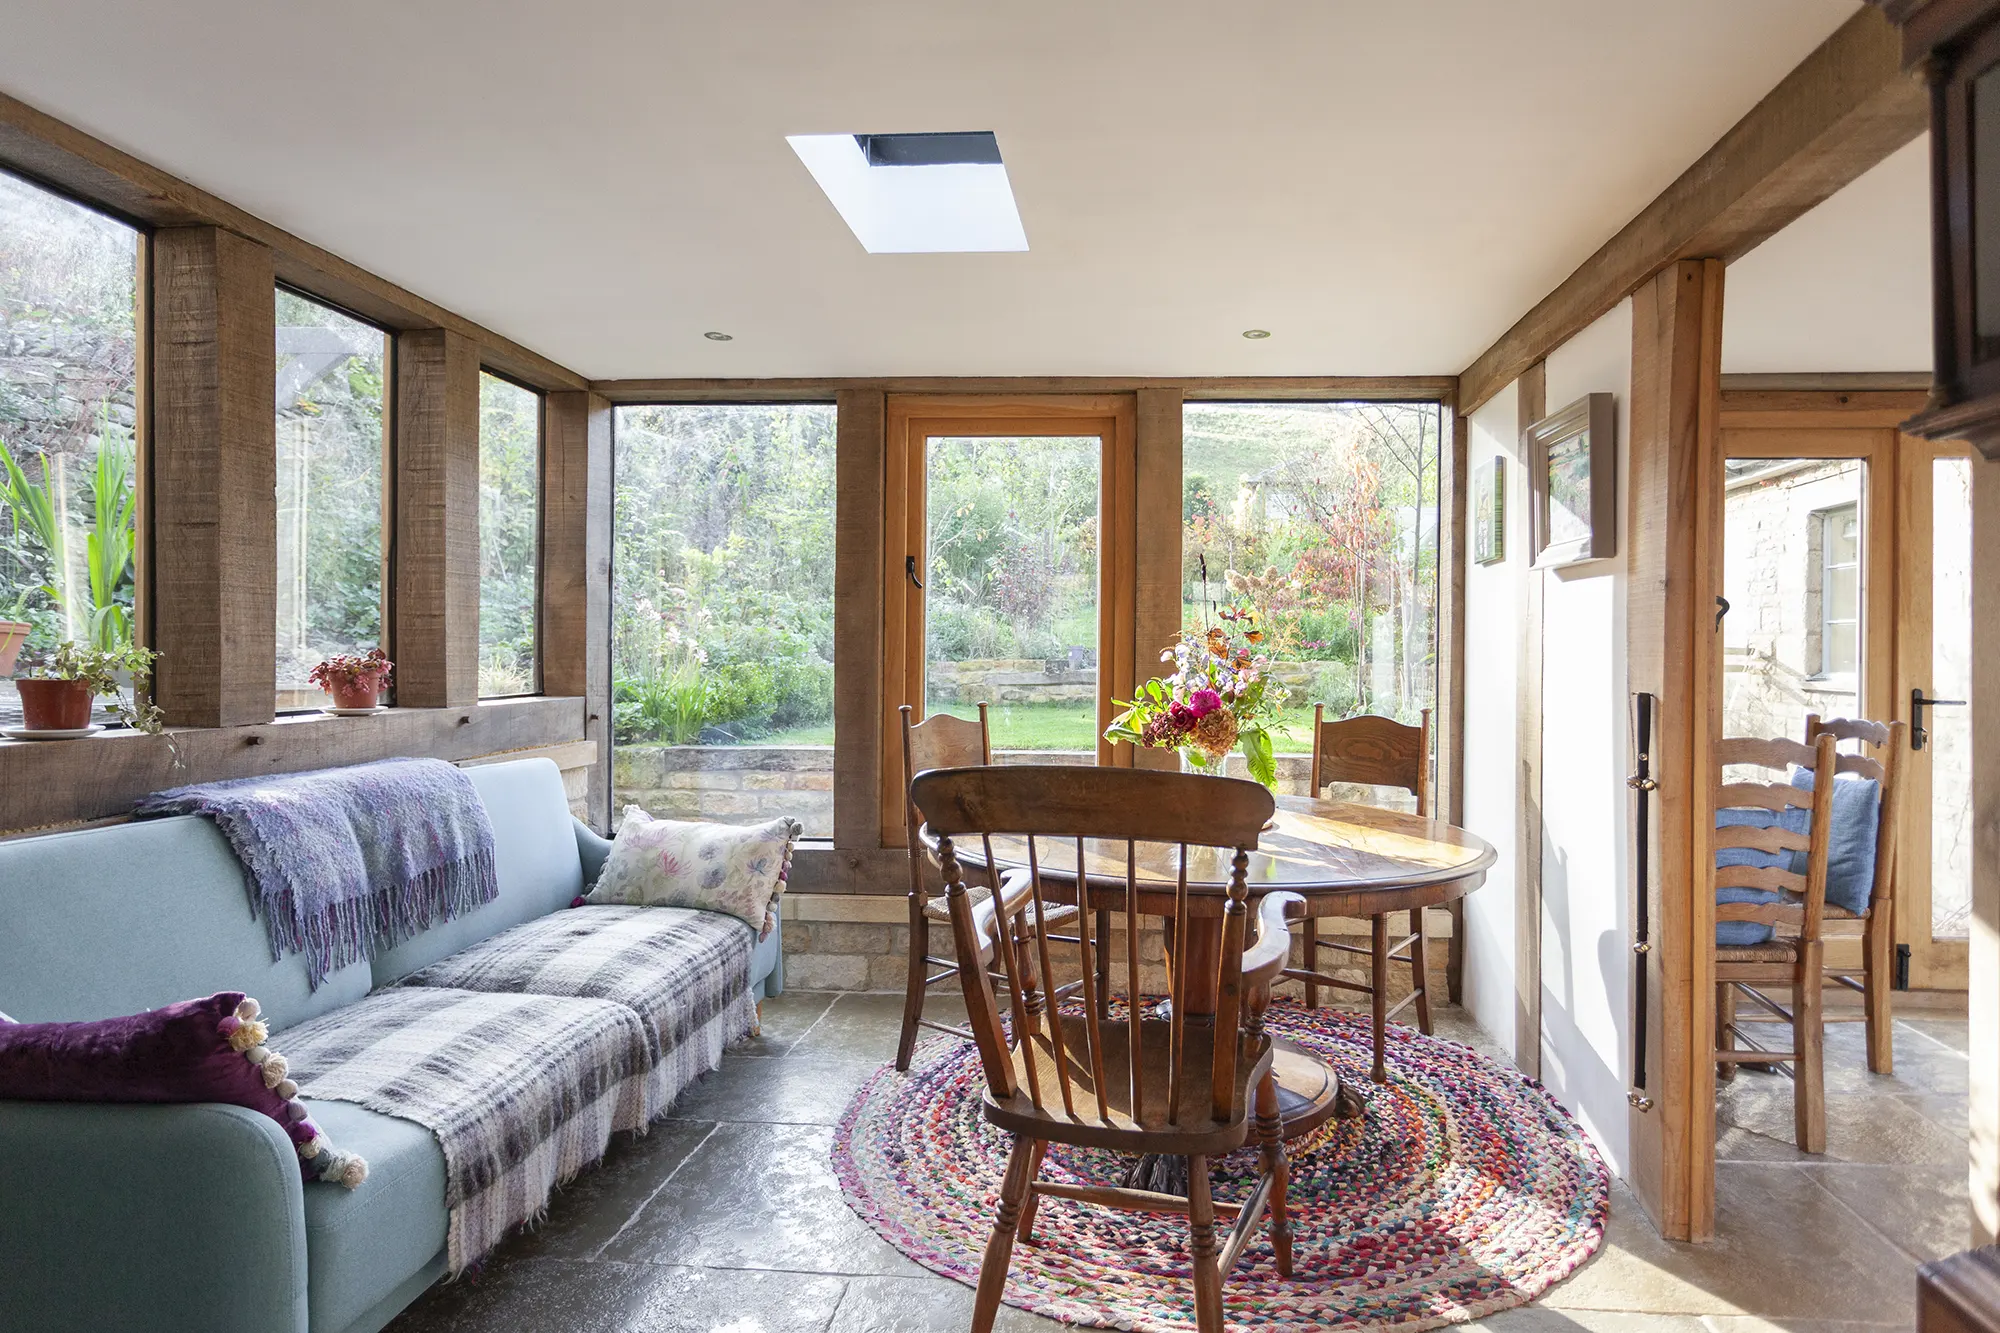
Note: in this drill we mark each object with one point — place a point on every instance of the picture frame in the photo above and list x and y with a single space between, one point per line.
1489 511
1572 459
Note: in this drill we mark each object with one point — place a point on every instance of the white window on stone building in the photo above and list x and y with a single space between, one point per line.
1836 585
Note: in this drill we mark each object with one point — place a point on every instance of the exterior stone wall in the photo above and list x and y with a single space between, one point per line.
730 784
1058 680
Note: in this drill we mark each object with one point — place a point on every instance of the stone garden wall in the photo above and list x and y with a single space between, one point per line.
1032 680
730 784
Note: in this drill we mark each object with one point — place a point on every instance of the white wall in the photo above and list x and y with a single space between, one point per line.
1586 953
1586 957
1492 631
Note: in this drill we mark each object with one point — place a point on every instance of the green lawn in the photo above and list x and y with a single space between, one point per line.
1063 726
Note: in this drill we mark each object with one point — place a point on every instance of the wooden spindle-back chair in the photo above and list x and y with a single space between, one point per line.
1880 758
1191 1083
1795 955
1377 752
939 741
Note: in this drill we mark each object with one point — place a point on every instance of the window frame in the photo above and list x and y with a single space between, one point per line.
388 561
541 535
1819 588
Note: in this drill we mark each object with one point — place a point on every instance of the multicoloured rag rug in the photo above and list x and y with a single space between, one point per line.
1466 1189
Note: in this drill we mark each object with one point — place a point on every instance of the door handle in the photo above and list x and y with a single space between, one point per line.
910 569
1919 733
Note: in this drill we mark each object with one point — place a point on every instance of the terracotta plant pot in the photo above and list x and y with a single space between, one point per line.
355 696
54 705
13 633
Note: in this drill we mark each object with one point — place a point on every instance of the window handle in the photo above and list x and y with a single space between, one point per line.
1919 733
910 569
1721 610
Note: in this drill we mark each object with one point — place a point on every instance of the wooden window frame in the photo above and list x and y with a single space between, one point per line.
909 421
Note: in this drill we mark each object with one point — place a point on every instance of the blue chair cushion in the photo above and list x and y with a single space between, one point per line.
1850 847
1744 933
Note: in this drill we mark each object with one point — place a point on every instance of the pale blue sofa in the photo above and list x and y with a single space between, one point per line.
165 1218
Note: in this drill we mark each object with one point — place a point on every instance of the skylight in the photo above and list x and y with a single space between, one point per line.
917 193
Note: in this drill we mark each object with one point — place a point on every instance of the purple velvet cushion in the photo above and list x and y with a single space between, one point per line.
208 1050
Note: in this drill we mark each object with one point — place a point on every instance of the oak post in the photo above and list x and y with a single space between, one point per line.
435 610
214 504
858 735
576 572
1157 606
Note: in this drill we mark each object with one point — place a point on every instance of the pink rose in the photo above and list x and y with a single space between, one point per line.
1204 702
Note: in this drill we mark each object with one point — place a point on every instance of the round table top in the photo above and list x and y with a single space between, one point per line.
1343 858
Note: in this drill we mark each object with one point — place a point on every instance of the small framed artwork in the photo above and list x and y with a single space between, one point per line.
1489 511
1572 483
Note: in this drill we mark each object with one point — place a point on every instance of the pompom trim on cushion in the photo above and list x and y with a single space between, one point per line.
246 1033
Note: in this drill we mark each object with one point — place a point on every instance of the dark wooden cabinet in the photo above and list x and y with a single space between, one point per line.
1958 44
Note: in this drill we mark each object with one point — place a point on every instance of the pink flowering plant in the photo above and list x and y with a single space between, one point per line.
353 671
1219 697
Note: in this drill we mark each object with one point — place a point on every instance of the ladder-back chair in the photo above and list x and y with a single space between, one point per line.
939 741
1880 758
1378 752
1795 954
1193 1083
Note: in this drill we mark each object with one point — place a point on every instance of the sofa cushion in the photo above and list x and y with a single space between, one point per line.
710 867
685 973
520 1091
534 851
100 922
362 1244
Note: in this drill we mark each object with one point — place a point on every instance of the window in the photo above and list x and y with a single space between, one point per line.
69 415
722 612
510 468
1839 589
331 451
1331 511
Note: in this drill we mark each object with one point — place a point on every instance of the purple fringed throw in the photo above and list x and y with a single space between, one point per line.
345 861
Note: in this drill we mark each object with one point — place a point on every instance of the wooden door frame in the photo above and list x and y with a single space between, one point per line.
912 418
1934 964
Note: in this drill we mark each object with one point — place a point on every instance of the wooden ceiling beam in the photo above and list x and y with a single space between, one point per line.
43 148
1847 106
1240 388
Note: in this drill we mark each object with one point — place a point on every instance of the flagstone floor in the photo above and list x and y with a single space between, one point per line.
727 1218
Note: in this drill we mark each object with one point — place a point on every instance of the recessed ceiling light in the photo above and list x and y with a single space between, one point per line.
1256 333
715 337
917 193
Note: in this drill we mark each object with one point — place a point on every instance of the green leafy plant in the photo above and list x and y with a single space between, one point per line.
100 667
100 611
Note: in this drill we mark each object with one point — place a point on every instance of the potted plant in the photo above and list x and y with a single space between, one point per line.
57 695
1220 697
13 633
355 680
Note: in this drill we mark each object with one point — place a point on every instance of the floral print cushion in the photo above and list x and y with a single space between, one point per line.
736 869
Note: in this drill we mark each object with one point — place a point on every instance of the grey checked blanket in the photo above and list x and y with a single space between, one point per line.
342 861
685 973
522 1091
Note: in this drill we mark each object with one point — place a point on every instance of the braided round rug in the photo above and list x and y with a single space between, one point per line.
1466 1189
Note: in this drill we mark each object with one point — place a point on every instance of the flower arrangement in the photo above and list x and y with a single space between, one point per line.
355 680
1220 697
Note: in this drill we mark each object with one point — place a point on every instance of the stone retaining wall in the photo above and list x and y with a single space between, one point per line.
1058 680
731 784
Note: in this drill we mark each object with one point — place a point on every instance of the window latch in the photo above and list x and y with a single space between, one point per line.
1721 610
910 568
1919 733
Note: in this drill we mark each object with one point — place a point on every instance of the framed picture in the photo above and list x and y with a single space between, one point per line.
1489 511
1572 483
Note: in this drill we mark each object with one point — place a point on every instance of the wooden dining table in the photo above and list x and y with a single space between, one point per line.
1342 858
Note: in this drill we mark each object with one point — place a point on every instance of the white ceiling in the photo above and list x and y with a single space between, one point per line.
1846 287
1386 187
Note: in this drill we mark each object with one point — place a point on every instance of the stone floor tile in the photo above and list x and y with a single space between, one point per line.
1921 1210
1544 1319
1947 1032
547 1295
758 1196
785 1018
794 1090
863 1025
1744 1323
731 1300
1839 1268
1754 1123
922 1305
586 1213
